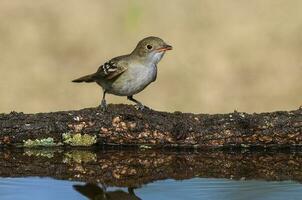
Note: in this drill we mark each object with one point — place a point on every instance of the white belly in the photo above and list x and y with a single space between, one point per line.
134 80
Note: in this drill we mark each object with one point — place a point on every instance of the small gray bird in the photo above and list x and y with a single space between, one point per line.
129 74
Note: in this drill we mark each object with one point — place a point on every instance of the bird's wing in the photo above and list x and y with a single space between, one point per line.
112 68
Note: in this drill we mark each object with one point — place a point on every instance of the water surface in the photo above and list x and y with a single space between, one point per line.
196 188
148 174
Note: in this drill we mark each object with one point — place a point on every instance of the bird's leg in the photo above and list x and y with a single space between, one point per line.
103 102
104 188
138 105
131 191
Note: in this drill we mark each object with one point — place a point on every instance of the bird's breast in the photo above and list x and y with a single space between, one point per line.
134 80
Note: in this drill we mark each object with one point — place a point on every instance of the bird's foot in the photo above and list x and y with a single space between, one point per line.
139 105
103 105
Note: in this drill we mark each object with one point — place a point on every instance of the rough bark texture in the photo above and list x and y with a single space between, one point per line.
124 125
132 168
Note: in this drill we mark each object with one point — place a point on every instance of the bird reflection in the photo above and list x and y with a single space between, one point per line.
95 192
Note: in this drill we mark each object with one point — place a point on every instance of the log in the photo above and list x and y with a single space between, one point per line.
133 168
124 125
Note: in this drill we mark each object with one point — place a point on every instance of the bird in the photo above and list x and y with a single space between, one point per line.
95 192
129 74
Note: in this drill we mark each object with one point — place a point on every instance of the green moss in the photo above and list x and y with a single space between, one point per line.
79 139
144 146
244 145
79 157
40 153
45 142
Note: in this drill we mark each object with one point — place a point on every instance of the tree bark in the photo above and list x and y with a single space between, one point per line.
124 125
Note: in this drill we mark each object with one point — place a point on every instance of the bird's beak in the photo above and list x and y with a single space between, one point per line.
164 48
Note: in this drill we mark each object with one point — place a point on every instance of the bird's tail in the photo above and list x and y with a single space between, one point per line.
87 79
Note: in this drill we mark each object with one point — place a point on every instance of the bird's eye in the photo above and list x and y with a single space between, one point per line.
149 46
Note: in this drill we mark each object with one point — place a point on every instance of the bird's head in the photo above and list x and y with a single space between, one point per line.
151 49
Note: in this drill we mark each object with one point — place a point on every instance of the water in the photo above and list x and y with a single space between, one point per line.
196 188
147 174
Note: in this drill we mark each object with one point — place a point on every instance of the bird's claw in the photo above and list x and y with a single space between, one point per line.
103 105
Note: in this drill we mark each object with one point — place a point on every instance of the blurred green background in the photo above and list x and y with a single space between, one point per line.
243 55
